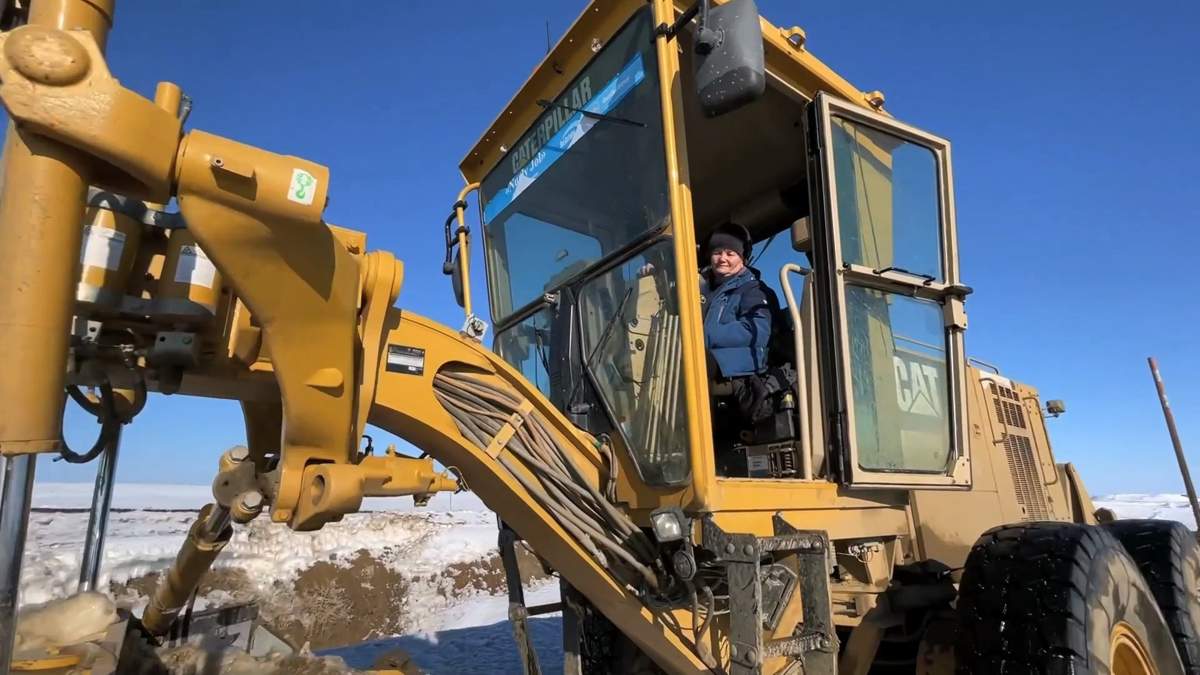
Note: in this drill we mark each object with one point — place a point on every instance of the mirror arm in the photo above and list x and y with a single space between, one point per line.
706 38
671 31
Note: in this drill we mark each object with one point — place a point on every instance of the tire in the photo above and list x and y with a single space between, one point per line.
1054 598
1168 556
603 649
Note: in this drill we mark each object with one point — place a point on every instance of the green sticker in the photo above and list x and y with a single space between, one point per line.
303 187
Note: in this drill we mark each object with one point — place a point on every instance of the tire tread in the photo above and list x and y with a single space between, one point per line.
1159 547
1024 603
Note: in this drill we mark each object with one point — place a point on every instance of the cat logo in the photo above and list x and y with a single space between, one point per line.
920 384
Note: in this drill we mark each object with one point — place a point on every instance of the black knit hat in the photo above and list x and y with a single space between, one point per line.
731 236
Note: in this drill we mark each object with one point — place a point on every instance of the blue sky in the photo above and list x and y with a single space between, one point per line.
1077 213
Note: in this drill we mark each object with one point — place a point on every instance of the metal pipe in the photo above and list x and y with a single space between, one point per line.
14 523
464 246
97 529
806 455
1170 417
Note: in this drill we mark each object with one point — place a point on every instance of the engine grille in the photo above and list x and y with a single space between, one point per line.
1018 449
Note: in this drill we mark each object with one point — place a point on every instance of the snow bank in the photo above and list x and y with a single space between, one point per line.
125 496
1162 507
142 542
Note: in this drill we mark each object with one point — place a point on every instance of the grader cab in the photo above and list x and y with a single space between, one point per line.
895 506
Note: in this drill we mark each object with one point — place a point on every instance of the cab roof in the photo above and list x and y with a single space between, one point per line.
789 64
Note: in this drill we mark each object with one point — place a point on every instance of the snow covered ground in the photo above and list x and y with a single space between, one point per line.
433 586
431 573
1161 507
474 637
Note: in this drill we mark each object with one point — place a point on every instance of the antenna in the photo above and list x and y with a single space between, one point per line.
547 36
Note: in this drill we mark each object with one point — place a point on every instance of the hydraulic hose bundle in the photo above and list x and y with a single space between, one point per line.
484 411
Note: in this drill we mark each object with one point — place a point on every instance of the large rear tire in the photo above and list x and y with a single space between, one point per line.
1168 556
1058 598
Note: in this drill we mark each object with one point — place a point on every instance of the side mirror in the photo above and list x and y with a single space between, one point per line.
730 67
456 278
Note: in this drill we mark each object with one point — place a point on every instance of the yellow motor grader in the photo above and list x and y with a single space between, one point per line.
894 504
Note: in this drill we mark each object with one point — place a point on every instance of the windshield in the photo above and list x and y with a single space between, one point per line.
585 180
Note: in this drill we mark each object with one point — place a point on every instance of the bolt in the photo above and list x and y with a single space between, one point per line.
730 548
748 549
252 501
239 454
752 656
187 340
733 651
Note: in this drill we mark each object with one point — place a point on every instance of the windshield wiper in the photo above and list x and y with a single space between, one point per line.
929 279
605 333
588 113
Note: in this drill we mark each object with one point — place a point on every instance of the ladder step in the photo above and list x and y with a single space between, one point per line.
802 542
797 645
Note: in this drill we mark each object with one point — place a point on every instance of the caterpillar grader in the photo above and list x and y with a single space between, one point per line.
897 509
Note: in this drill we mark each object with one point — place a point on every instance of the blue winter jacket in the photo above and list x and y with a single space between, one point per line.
737 324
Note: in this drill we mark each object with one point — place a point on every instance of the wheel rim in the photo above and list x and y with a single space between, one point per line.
1129 653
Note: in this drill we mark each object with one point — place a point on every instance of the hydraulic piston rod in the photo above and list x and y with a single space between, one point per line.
14 522
204 542
97 530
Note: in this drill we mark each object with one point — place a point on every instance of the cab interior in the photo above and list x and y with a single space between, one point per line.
748 166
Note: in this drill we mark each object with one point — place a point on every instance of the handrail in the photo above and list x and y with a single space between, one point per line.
801 369
462 235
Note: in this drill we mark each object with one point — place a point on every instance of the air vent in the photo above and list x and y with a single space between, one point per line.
1019 450
1008 406
1031 494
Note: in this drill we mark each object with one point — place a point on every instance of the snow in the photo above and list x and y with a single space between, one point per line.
144 541
141 542
447 633
1162 507
125 496
473 637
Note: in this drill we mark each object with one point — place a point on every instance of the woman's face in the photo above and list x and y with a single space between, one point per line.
726 262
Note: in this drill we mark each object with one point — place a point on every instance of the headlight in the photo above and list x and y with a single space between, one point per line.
669 523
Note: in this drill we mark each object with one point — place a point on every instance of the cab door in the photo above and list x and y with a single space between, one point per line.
889 300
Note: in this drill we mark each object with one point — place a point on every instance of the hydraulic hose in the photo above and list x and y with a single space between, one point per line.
482 407
105 411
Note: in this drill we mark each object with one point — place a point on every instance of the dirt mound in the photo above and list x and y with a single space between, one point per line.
334 604
346 601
